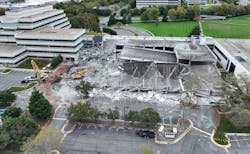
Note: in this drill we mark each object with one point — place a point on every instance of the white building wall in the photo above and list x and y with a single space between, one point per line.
239 68
147 3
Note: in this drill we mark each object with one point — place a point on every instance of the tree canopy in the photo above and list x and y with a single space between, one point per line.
150 14
82 112
56 61
13 112
237 94
15 131
6 98
147 117
84 87
39 106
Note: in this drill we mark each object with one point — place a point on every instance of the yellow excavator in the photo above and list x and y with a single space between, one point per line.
40 76
80 74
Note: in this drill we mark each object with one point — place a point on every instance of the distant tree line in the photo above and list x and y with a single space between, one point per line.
184 12
81 15
229 10
17 1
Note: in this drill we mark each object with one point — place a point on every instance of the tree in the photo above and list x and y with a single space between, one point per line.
82 112
181 12
76 21
132 116
39 106
237 94
149 117
144 16
17 131
195 31
4 139
239 117
6 98
150 14
235 2
113 114
48 139
172 14
13 112
84 87
2 11
90 22
112 20
56 61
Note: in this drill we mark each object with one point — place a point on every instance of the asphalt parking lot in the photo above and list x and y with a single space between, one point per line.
13 79
239 144
106 140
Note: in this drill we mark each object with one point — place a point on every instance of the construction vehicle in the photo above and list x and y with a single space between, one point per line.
40 76
80 74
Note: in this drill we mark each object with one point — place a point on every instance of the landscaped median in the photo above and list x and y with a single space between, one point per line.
18 89
6 71
225 126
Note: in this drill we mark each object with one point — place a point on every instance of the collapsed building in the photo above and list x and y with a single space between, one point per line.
167 65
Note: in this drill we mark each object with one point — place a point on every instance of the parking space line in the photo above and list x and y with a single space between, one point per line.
247 144
226 150
237 141
79 127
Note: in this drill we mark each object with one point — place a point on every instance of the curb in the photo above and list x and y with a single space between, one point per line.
67 132
18 92
219 145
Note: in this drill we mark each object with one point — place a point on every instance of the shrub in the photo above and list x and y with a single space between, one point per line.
196 31
109 31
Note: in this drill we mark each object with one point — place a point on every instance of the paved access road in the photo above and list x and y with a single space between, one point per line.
13 79
130 31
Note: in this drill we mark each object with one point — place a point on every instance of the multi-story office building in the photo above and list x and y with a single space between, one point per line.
37 32
148 3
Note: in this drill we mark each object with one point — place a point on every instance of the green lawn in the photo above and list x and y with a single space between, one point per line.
227 127
40 63
237 27
178 29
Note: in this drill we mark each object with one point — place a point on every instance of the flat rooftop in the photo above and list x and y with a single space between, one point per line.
10 50
239 49
48 33
147 55
154 41
194 53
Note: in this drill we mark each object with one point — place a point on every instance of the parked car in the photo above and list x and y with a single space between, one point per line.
146 133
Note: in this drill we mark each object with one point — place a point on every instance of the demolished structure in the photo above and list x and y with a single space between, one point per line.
169 64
